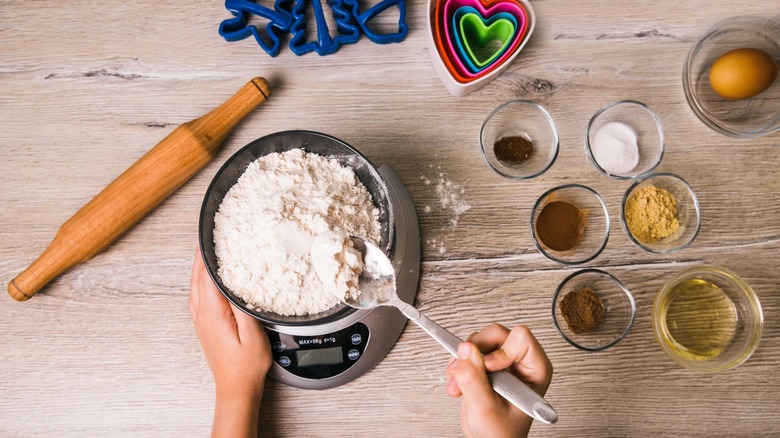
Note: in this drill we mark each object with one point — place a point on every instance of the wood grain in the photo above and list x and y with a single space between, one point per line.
138 190
108 349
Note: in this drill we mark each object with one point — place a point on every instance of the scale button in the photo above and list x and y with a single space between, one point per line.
357 339
279 346
353 354
284 361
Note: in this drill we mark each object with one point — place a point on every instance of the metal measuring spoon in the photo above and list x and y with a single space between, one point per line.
377 288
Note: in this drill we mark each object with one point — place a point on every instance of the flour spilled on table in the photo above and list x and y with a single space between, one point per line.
450 198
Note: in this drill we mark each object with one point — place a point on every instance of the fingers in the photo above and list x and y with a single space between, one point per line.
194 278
490 338
517 349
522 351
206 301
471 378
487 340
452 385
209 298
249 330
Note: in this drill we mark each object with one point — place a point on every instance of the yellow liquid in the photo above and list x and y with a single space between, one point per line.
700 320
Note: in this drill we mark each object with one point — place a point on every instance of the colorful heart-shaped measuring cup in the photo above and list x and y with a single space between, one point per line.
446 31
478 41
453 74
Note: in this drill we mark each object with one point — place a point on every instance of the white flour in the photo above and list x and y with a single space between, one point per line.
338 263
264 228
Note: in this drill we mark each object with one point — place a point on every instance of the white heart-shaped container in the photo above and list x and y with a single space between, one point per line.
453 85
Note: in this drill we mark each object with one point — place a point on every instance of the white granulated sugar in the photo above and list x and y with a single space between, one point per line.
615 148
267 220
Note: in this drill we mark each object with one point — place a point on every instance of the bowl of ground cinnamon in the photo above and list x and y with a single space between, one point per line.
570 224
519 140
660 213
593 310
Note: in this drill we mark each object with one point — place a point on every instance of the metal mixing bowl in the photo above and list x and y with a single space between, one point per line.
314 142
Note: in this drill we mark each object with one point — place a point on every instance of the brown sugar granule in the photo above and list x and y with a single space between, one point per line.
514 150
582 309
560 225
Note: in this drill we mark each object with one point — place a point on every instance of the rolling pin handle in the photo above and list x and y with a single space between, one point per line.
136 192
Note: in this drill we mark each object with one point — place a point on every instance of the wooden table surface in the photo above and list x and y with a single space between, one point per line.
108 349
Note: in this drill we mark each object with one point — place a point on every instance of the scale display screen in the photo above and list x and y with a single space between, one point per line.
319 356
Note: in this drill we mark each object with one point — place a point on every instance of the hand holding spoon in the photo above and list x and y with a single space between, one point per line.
376 287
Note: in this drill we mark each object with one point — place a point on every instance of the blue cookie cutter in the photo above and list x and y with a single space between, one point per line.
363 18
347 31
236 28
290 16
459 13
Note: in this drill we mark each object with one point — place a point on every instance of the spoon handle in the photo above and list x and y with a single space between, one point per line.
442 335
505 383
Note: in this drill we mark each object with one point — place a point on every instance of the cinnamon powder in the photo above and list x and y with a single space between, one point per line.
560 225
582 309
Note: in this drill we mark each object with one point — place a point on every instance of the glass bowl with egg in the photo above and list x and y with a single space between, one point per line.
730 77
660 213
592 310
570 224
707 319
625 139
519 140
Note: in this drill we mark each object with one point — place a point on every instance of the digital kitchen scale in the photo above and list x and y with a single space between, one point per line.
330 354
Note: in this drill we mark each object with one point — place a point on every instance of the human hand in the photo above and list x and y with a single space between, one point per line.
237 351
484 413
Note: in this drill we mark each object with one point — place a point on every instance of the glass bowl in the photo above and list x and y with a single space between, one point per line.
687 215
752 117
618 310
707 319
507 131
554 230
634 123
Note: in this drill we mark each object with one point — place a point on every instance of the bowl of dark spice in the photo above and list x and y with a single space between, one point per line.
593 310
570 224
660 213
519 140
625 139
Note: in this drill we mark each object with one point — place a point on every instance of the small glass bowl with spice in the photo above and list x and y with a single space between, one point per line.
625 139
519 140
570 224
593 310
660 213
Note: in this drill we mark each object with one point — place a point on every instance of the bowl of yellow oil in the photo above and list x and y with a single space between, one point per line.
708 319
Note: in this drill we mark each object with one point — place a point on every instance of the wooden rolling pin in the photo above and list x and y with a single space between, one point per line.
140 189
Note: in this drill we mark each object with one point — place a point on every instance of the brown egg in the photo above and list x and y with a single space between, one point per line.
743 73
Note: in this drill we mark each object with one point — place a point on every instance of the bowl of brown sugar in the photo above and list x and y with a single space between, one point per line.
593 310
570 224
519 140
660 213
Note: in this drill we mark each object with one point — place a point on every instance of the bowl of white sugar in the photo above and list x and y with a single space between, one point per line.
625 139
264 207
